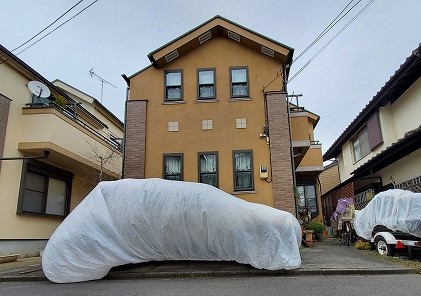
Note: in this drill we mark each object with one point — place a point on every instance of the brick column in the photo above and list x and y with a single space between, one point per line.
280 152
4 116
135 139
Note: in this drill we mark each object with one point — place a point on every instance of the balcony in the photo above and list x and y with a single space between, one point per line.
312 161
71 139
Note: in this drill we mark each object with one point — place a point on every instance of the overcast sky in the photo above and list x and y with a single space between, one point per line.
114 37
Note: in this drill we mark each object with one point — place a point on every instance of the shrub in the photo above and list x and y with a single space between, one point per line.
361 245
317 227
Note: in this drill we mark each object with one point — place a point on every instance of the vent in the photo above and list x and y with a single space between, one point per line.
234 36
172 55
205 37
268 51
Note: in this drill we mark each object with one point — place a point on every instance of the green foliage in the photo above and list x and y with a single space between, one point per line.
316 227
361 245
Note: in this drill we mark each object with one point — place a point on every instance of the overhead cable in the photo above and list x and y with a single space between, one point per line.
330 41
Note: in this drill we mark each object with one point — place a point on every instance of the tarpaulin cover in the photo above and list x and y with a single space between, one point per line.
135 221
396 209
341 207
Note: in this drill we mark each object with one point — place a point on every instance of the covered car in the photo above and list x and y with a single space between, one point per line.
395 209
135 221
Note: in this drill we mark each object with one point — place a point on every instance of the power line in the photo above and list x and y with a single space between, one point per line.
324 32
47 26
32 44
330 41
327 29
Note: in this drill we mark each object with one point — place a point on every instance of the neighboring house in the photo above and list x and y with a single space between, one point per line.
329 178
212 108
380 149
51 149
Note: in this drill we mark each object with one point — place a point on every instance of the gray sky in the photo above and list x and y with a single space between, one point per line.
114 37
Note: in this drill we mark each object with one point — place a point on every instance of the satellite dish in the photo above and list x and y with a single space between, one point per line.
39 89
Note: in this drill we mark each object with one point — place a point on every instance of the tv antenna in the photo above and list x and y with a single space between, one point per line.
102 81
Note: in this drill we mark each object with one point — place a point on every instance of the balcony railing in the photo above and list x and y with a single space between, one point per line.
110 139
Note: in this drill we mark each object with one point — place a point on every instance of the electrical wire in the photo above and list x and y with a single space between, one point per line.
331 40
327 29
339 17
47 26
32 44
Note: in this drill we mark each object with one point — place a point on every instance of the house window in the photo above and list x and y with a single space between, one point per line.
239 82
206 84
243 170
173 126
240 122
308 199
207 124
360 145
208 168
45 190
173 167
173 83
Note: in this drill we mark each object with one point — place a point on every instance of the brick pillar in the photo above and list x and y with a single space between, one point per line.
280 152
4 116
135 139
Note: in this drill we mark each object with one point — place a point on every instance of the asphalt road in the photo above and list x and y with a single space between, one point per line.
408 284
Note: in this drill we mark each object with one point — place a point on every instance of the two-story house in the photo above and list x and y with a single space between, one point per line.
56 143
380 149
212 107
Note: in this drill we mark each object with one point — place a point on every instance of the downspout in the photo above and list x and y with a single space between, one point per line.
125 117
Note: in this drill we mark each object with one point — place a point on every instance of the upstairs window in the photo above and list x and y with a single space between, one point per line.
360 145
239 82
208 168
206 84
173 167
173 86
243 170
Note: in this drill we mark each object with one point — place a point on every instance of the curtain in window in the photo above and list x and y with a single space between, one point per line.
208 169
206 77
206 84
239 82
173 79
238 75
243 178
173 85
173 167
208 163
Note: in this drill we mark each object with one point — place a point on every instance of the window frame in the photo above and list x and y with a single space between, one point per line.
247 82
251 170
46 171
304 185
199 169
166 99
165 155
206 84
356 138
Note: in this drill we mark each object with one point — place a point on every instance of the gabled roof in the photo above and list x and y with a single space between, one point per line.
403 78
219 26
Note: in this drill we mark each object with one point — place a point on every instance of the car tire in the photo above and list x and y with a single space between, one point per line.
383 248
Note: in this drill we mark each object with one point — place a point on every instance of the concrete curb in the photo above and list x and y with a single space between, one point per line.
222 273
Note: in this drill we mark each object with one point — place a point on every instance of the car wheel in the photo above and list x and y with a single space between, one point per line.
383 248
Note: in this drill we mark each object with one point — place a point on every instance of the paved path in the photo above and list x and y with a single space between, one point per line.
325 257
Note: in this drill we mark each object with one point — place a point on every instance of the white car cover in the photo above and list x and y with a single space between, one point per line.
135 221
396 209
